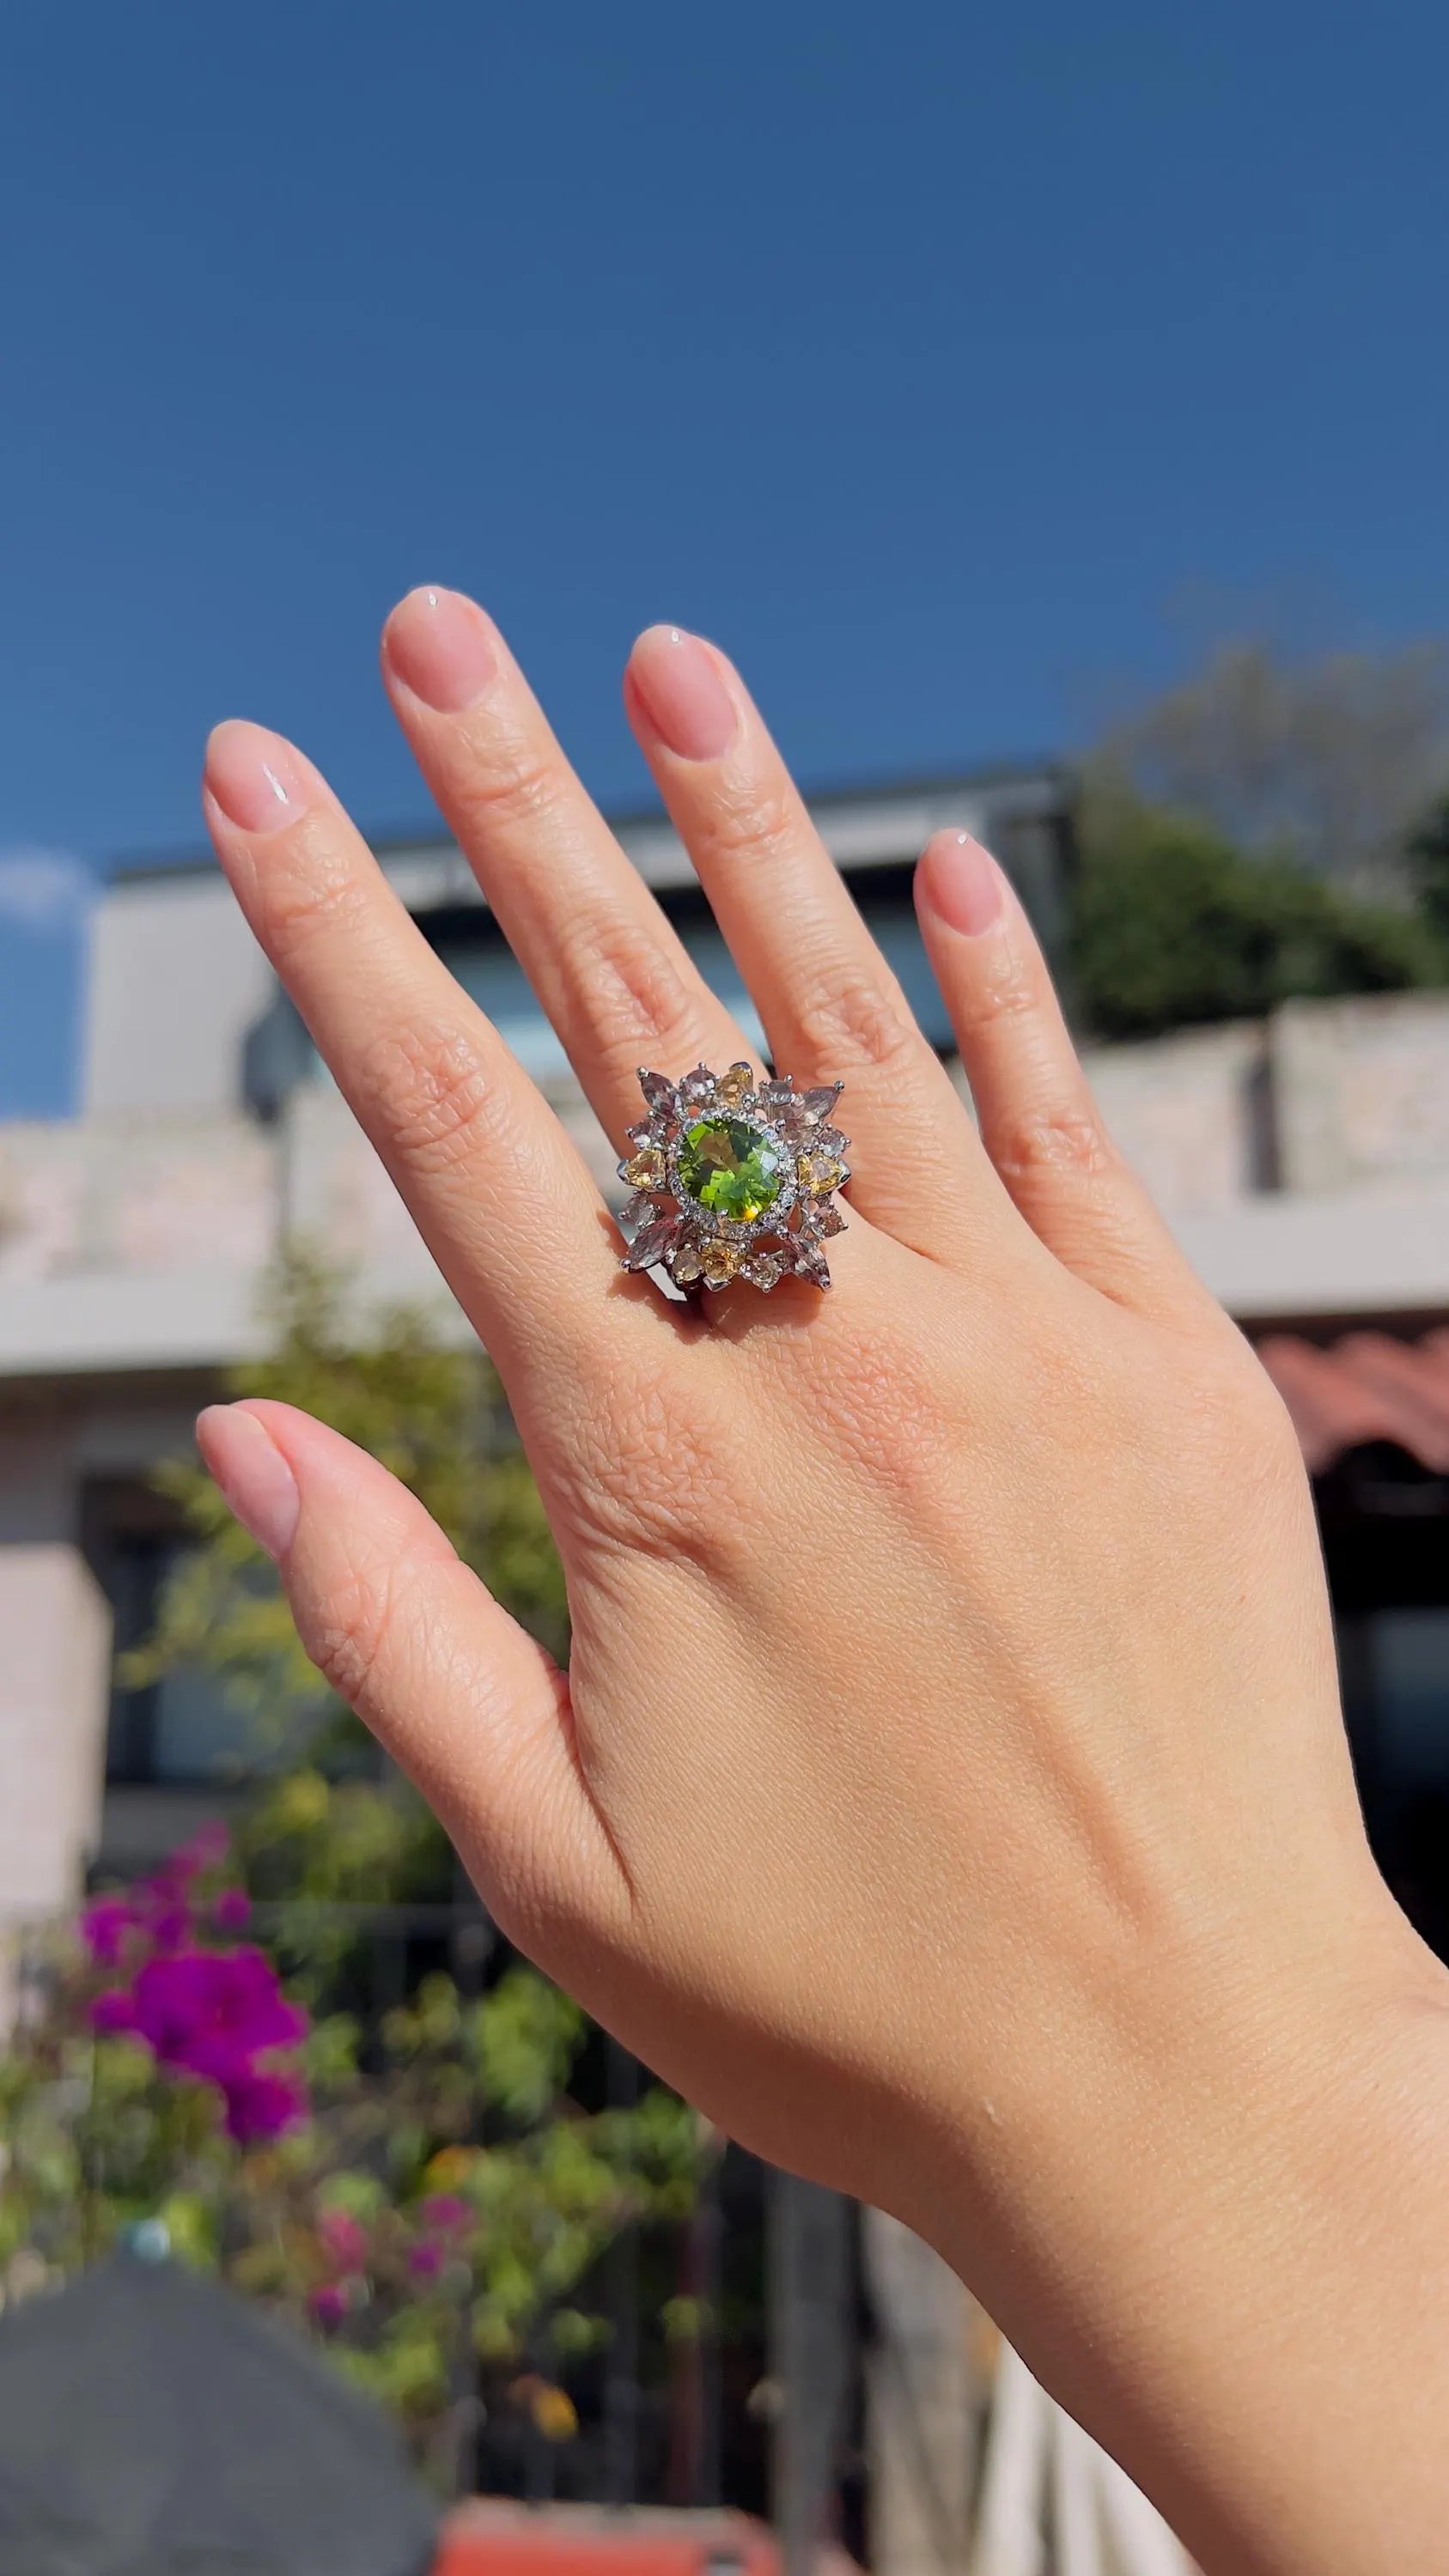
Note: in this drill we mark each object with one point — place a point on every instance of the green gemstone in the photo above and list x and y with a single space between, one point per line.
730 1166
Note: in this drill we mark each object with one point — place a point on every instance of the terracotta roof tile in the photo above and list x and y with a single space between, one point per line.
1366 1387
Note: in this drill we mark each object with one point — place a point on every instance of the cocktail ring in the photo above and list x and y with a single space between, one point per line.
733 1179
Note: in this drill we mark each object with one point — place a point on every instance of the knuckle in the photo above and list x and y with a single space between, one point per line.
433 1095
312 890
983 1005
348 1640
754 819
1052 1143
509 784
852 1016
629 992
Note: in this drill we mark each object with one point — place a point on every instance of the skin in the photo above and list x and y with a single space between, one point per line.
948 1791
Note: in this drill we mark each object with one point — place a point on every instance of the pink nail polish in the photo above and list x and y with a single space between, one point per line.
255 777
255 1480
440 645
962 883
682 694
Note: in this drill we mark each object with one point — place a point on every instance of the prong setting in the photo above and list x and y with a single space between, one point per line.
713 1141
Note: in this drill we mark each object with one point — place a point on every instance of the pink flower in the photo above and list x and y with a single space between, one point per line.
260 2106
211 2010
232 1910
162 1911
215 2013
444 2213
344 2238
426 2259
105 1925
113 2011
328 2303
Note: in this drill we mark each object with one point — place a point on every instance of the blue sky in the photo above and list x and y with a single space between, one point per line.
955 367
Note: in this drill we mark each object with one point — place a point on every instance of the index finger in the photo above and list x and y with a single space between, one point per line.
503 1200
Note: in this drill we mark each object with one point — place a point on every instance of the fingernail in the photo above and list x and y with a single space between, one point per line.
682 693
440 646
963 883
255 777
254 1478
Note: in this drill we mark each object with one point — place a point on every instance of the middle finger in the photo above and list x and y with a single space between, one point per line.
611 972
831 1006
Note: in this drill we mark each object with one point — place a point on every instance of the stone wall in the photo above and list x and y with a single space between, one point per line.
134 1195
1326 1096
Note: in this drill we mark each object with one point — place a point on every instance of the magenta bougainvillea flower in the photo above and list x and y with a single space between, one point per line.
329 2303
217 2014
209 2009
260 2106
113 2011
106 1925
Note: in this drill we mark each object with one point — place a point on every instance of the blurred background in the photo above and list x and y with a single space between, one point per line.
1048 410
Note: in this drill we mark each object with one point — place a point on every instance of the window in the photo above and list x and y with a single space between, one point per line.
1406 1669
1385 1523
181 1731
473 949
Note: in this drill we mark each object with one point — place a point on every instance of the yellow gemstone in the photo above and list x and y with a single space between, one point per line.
687 1264
818 1177
646 1170
732 1086
721 1261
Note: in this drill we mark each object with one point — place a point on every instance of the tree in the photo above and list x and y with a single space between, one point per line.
1428 859
430 2207
1326 762
1172 925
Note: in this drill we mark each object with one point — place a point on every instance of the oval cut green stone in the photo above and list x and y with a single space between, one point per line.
730 1166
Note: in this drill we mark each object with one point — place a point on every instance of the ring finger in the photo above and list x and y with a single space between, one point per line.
831 1006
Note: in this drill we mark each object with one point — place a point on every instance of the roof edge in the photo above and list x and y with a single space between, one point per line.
129 866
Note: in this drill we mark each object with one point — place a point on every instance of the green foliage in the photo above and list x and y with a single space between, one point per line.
1171 925
438 2213
334 1828
431 1413
1428 857
437 2216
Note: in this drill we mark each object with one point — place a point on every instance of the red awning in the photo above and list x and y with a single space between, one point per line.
1365 1387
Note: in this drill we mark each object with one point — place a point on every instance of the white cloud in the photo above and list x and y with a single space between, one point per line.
44 890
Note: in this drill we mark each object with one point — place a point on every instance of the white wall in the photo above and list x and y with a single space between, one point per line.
54 1654
176 981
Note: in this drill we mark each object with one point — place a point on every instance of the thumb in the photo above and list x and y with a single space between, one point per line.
466 1702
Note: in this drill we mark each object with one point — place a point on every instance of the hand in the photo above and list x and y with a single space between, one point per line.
948 1791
